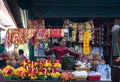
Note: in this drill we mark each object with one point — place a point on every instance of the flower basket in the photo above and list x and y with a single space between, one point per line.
8 77
54 78
43 77
68 63
18 78
81 69
80 78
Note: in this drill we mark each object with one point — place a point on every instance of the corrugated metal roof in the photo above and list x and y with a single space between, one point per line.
71 8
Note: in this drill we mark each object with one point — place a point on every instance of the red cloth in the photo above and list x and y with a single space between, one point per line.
56 33
37 23
60 51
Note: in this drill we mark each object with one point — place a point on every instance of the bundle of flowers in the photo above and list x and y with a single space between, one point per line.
20 73
43 74
8 72
41 70
47 63
56 64
32 73
55 74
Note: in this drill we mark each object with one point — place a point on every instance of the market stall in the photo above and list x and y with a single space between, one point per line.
55 63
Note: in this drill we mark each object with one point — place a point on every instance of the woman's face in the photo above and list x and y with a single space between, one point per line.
62 42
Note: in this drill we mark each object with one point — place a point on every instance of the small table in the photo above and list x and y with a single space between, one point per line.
115 73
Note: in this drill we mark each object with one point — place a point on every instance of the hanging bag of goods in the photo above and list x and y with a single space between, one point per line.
88 27
19 36
56 33
43 34
74 35
37 23
81 27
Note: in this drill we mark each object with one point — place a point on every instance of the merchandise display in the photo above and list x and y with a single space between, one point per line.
53 60
42 70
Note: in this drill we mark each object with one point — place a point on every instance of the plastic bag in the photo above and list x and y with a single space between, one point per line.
105 71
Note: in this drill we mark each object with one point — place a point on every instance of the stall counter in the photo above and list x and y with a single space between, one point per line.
50 81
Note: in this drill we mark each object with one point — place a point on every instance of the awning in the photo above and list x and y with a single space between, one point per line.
6 19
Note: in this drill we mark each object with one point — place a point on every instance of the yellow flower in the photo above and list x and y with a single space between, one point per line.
33 77
40 73
55 75
57 65
21 71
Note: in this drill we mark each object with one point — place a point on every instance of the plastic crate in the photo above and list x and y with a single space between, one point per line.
93 77
80 78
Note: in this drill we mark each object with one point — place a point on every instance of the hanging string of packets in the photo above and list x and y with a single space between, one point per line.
80 27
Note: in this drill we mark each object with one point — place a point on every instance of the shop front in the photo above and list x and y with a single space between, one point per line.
67 41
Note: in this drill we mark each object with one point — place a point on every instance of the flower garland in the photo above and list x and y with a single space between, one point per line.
86 41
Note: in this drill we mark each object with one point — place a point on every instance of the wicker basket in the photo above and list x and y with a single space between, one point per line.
80 78
81 69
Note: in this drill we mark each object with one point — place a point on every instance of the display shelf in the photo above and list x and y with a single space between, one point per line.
51 81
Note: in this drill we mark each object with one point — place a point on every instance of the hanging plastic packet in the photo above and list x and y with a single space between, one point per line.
105 71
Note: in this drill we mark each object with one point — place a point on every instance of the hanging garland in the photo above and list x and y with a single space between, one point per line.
86 41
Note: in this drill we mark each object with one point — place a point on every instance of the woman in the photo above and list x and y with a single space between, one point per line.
61 50
21 53
3 55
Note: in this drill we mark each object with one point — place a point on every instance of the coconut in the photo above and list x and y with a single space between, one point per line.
17 58
11 57
13 62
16 55
8 62
102 61
95 54
98 57
18 62
90 61
96 62
90 58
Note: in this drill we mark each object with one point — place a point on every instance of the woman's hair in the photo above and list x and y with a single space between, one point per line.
60 39
55 44
21 52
